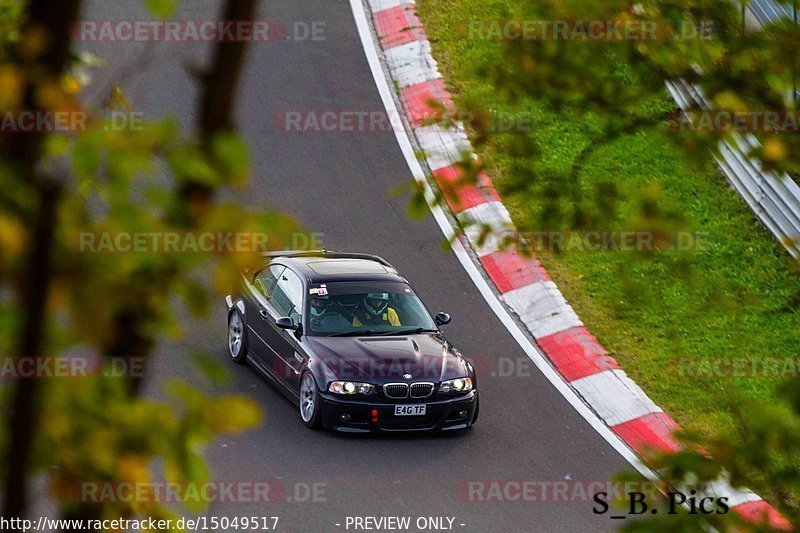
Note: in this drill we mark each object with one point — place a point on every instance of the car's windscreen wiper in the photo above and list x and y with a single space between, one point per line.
412 331
356 333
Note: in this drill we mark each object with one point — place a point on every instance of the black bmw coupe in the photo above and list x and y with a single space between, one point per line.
345 337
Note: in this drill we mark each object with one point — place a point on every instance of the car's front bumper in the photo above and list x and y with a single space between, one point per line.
442 414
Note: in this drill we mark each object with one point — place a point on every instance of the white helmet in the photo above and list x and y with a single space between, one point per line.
376 302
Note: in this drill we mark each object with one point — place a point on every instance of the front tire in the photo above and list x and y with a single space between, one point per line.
237 337
310 402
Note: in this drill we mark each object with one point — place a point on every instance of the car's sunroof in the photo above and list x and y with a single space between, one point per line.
347 266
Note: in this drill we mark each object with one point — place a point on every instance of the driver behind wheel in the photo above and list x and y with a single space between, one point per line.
326 314
320 305
375 311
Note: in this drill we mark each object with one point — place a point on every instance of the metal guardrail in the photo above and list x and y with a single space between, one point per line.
769 10
774 199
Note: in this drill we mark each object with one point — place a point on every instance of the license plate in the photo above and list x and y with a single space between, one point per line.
409 410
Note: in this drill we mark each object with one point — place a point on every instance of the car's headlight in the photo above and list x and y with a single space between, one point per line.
456 385
350 387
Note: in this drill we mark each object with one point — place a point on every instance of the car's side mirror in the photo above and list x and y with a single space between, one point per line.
441 319
285 322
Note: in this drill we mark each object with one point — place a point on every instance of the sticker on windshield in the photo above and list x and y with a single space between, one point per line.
319 291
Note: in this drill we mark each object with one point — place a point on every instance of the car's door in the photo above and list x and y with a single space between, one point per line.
258 293
287 300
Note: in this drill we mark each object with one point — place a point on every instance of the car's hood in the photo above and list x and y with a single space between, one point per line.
380 360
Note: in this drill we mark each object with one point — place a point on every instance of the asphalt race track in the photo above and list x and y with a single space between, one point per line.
339 184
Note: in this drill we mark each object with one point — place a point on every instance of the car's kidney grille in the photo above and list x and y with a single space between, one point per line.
395 390
421 390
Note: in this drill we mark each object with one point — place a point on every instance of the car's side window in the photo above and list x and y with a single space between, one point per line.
265 280
287 296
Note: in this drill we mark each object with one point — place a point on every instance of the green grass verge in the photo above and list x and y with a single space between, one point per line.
737 297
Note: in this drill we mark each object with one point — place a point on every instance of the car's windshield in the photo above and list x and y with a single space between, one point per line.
368 308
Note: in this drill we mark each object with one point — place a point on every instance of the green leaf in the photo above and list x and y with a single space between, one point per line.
189 164
418 204
235 413
55 146
85 158
161 8
216 372
231 152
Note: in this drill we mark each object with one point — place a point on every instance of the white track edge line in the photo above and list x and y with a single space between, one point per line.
532 351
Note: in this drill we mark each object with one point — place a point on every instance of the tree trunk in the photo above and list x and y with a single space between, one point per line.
217 97
25 409
54 19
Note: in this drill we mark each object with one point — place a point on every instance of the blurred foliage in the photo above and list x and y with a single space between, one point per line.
616 86
94 438
765 439
161 8
10 15
120 180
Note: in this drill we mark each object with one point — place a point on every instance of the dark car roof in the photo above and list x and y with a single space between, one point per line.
322 269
